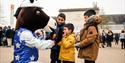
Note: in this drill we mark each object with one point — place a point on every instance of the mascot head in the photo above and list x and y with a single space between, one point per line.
33 17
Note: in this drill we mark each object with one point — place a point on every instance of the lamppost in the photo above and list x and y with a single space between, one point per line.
124 24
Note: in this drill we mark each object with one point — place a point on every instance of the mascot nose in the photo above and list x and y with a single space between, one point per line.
51 25
31 1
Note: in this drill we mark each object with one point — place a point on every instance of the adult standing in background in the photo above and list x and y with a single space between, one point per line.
4 39
109 38
122 39
103 38
1 33
116 38
9 35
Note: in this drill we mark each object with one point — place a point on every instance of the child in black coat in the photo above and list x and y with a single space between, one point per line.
57 37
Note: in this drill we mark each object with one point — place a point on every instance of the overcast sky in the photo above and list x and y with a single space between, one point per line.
52 7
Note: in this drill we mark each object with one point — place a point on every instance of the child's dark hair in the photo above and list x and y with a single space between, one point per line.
91 20
70 26
90 13
62 15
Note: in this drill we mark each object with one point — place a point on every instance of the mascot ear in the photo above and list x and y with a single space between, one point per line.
30 3
51 25
17 12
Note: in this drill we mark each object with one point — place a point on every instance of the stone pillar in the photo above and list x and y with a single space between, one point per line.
5 12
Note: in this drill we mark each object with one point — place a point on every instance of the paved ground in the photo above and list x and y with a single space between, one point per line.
106 55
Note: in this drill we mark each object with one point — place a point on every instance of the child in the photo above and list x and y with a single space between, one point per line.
89 40
67 50
57 37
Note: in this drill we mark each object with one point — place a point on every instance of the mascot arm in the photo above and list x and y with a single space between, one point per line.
32 41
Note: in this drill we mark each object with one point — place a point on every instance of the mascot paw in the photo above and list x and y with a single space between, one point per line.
48 44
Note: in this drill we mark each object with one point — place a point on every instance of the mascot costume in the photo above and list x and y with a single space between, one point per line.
30 19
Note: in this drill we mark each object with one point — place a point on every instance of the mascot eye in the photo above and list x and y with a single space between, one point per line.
38 12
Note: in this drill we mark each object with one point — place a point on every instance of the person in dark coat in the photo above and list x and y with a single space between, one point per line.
9 35
116 38
109 38
58 36
4 39
1 32
103 38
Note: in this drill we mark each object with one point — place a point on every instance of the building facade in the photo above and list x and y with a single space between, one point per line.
6 13
75 15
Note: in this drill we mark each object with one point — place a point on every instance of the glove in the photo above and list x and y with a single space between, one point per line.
51 45
40 34
47 44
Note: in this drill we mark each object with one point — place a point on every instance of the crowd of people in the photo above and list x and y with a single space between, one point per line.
107 38
6 36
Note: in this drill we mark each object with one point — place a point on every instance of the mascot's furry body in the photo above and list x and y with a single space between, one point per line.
26 45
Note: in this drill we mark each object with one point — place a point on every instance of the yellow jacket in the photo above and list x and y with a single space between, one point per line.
67 50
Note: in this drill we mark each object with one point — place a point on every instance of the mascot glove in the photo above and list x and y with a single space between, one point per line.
47 44
40 34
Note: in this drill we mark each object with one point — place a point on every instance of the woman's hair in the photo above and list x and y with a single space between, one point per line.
70 26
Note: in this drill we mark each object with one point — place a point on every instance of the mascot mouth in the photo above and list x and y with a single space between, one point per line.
51 26
47 29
